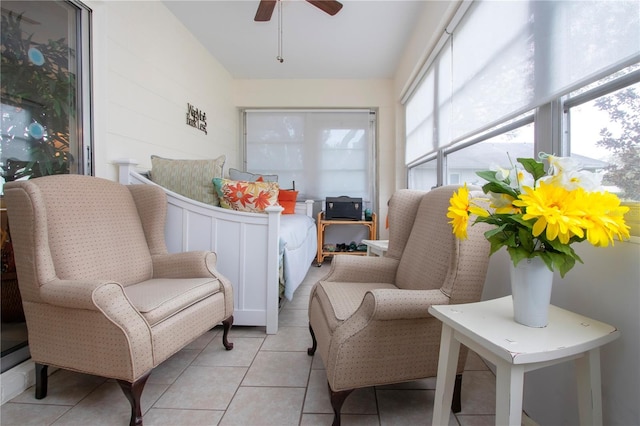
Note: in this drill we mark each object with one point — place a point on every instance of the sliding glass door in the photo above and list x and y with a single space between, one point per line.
45 120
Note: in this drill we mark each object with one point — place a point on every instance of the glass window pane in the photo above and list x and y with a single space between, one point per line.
40 81
424 176
604 136
41 112
500 150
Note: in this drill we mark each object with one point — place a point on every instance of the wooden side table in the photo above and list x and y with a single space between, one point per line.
322 225
488 328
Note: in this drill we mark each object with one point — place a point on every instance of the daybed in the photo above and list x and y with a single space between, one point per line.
254 249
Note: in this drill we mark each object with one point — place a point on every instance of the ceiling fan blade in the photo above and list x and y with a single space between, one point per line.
265 10
329 6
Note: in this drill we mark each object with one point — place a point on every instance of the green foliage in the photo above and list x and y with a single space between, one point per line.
46 90
516 234
532 166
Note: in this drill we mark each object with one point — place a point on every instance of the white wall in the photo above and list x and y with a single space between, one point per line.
606 288
334 94
143 80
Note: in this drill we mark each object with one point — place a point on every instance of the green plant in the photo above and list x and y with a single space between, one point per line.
36 78
539 213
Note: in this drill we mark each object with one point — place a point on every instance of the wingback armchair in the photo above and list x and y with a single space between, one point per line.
369 316
101 294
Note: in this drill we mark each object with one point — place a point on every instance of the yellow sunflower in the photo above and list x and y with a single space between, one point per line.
604 218
557 211
460 207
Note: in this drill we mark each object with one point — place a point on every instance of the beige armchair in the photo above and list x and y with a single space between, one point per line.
101 294
369 317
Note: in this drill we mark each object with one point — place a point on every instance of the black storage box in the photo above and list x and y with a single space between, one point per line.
343 208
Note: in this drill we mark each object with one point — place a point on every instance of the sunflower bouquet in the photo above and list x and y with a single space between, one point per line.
541 213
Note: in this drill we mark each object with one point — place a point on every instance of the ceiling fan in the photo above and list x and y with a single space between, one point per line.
266 7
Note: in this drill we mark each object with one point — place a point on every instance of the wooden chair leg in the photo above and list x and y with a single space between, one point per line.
42 380
312 350
456 402
133 392
337 399
225 333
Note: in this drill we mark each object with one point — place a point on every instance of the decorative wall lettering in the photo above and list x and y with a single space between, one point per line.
196 118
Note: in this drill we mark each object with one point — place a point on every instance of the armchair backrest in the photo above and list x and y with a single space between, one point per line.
403 207
76 227
434 258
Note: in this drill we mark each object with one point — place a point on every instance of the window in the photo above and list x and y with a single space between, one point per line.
603 126
44 120
322 153
424 176
604 134
45 66
530 77
492 150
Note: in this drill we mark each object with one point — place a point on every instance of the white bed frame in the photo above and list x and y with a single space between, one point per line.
247 246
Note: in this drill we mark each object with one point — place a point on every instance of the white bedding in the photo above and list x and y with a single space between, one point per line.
298 246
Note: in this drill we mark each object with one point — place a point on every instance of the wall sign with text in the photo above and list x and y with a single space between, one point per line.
196 118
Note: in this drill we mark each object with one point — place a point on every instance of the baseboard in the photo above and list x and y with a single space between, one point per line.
16 380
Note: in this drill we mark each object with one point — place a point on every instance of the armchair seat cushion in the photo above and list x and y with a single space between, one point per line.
339 300
160 298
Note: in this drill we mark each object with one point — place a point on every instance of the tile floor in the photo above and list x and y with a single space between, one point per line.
264 380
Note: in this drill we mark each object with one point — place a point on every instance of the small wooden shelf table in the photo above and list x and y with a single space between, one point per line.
322 225
488 328
376 247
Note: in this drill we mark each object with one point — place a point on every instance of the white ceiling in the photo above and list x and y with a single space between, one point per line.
364 40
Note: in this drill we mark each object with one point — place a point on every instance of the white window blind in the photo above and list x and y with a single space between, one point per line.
511 57
326 153
428 111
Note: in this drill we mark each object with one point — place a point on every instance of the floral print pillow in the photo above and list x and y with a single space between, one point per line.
246 196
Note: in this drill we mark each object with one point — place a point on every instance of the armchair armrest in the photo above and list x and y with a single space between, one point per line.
192 264
121 321
75 294
397 304
361 269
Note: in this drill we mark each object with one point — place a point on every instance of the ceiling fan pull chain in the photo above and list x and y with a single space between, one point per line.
279 57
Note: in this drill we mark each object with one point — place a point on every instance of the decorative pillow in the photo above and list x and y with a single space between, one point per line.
191 178
246 196
235 174
287 199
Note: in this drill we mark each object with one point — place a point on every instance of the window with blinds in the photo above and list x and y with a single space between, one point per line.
503 59
324 153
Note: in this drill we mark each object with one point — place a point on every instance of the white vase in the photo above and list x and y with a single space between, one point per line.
531 284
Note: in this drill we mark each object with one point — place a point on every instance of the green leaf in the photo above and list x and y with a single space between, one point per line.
491 232
488 175
532 166
526 240
499 188
496 244
517 254
547 259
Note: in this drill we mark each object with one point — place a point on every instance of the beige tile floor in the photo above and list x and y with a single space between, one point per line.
264 380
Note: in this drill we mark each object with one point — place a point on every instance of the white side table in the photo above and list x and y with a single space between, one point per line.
376 247
488 328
